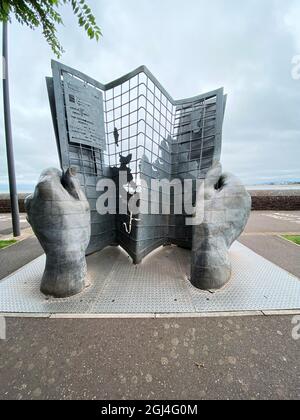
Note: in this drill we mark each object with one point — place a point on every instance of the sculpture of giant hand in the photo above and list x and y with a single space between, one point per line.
227 207
59 214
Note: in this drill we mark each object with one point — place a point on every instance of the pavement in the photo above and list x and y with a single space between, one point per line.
27 249
232 357
263 235
156 359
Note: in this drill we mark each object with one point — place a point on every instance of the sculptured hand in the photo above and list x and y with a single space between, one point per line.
227 207
59 214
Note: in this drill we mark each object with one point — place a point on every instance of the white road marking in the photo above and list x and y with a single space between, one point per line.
284 217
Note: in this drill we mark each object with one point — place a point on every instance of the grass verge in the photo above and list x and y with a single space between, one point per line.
5 244
294 239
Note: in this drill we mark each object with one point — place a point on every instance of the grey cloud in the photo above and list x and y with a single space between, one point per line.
191 47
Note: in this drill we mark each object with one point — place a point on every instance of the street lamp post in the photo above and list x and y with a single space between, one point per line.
9 144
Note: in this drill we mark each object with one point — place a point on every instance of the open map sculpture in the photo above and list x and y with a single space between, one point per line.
133 125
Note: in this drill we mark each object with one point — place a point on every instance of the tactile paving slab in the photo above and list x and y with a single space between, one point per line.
159 285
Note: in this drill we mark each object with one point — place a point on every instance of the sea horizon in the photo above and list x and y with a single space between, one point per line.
285 185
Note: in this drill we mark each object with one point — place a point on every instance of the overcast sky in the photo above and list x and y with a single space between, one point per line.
191 46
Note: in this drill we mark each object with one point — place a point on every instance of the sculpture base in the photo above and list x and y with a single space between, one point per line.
159 285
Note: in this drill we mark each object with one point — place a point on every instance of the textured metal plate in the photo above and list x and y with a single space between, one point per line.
85 113
159 285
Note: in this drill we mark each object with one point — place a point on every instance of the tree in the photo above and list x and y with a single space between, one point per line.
44 14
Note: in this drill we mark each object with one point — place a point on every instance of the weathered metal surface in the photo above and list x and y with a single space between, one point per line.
85 116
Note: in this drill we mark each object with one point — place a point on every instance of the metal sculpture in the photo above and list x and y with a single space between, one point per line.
134 127
226 212
60 217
